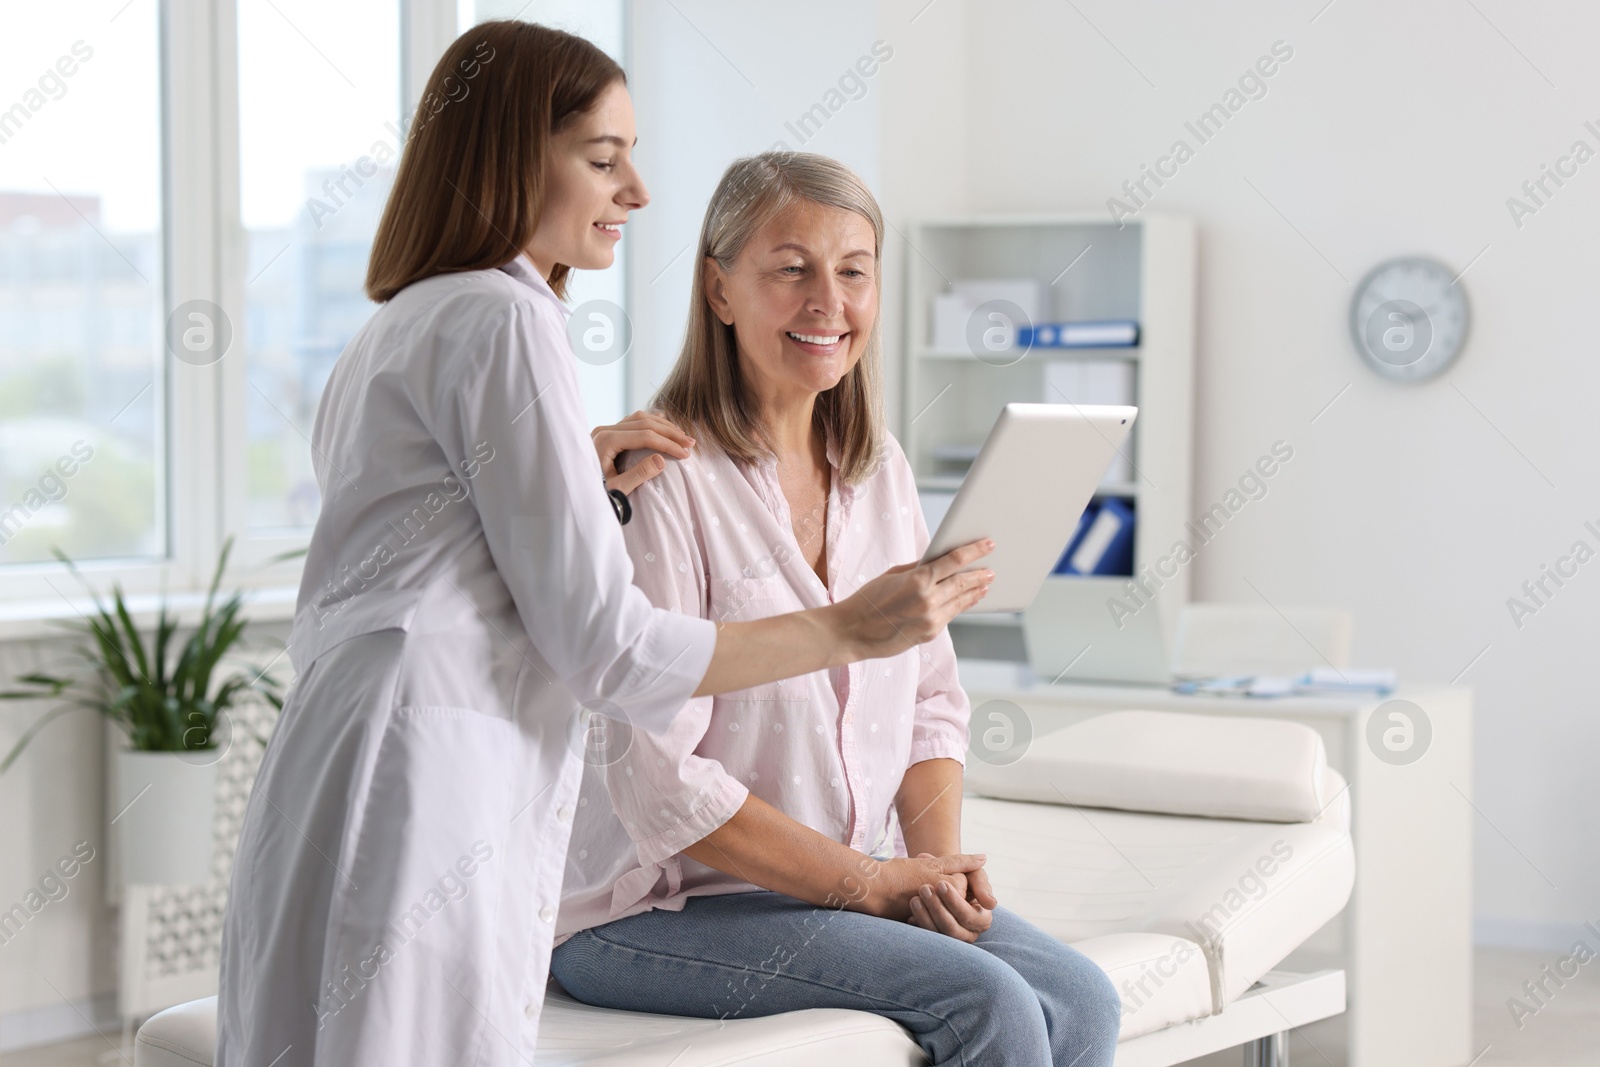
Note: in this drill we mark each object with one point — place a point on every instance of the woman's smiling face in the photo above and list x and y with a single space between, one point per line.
590 186
802 299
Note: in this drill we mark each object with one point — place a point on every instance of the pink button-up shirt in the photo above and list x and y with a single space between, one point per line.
714 538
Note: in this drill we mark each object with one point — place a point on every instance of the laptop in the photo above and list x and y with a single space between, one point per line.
1072 635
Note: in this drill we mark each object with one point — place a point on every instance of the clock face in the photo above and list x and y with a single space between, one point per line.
1408 318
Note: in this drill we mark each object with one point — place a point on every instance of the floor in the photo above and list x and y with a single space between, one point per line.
1564 1033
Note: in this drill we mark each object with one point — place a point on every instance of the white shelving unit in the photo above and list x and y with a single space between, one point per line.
1092 269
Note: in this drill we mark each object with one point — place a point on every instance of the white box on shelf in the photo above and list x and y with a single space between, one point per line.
953 311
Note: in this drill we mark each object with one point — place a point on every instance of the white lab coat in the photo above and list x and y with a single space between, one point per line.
399 869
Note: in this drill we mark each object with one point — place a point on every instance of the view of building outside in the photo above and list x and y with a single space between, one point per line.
83 368
304 305
317 156
82 443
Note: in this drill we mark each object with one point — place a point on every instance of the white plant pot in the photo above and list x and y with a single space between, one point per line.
161 809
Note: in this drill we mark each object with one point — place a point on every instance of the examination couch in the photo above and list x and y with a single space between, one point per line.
1186 855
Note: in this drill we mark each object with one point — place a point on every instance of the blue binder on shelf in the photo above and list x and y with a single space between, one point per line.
1105 333
1103 542
1077 535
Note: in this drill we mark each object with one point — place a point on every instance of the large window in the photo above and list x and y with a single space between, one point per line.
319 137
176 175
82 462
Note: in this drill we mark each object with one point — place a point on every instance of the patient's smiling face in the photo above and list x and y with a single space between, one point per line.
802 299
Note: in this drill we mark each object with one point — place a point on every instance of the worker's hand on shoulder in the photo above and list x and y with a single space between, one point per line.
642 429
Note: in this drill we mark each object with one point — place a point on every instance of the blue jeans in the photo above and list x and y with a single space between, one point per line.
1018 997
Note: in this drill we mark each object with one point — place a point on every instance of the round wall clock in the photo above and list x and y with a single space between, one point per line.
1408 318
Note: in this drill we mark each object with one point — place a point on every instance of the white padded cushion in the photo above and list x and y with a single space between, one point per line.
179 1037
1265 770
573 1034
1162 980
1248 893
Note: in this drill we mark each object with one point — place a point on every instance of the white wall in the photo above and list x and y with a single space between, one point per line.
712 81
1394 128
52 798
58 972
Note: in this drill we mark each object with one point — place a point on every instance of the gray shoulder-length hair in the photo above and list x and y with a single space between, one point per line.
705 390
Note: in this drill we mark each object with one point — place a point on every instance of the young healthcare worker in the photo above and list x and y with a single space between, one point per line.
467 604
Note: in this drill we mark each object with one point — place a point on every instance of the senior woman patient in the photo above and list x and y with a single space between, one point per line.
797 845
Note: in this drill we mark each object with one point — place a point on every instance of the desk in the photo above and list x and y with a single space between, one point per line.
1405 940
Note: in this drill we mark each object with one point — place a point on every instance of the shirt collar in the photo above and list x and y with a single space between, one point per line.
523 270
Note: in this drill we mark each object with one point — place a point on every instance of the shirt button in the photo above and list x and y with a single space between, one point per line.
834 783
564 813
532 1009
547 914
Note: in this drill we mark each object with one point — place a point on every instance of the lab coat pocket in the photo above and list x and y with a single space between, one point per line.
424 884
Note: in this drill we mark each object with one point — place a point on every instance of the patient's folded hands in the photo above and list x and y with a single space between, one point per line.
942 909
895 884
959 905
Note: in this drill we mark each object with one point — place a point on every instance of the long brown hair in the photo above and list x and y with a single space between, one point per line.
704 389
470 187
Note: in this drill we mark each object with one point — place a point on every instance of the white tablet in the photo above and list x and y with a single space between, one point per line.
1027 489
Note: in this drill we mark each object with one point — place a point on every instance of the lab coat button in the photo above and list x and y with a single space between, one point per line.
547 913
564 813
532 1009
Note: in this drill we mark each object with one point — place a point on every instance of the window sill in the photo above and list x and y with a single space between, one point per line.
34 620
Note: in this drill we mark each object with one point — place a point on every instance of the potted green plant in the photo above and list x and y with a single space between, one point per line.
171 702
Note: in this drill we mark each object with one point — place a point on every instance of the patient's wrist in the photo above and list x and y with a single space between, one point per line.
861 886
846 640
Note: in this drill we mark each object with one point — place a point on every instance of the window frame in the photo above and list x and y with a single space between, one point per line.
202 408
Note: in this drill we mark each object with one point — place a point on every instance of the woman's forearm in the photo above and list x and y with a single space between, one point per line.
781 646
767 848
928 805
900 609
